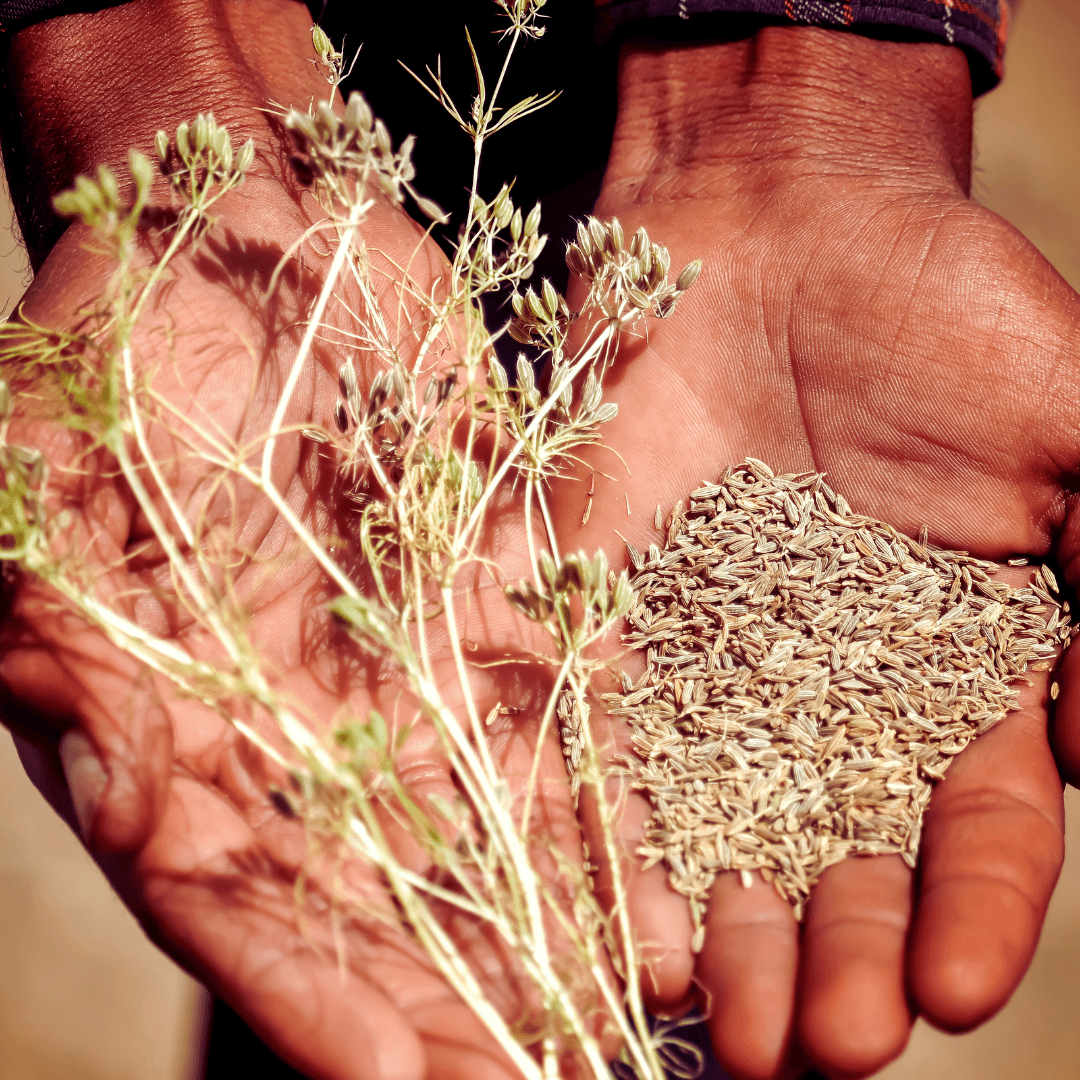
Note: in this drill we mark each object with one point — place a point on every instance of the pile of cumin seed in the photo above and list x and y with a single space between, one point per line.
809 674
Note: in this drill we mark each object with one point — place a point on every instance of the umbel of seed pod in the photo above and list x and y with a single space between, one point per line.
630 278
203 154
495 260
539 318
349 151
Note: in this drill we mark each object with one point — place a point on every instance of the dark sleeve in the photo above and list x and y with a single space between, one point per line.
977 26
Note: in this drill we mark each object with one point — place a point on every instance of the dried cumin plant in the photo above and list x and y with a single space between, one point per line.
423 452
810 673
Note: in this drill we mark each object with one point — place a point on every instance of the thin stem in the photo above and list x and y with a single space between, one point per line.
355 214
649 1061
548 524
545 726
533 564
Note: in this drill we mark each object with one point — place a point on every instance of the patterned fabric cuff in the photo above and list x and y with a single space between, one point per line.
15 14
978 26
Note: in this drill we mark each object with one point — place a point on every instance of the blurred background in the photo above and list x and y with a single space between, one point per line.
84 995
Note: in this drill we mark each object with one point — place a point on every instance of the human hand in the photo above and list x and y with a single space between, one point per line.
216 860
857 315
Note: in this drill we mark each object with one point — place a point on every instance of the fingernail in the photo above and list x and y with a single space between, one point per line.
86 778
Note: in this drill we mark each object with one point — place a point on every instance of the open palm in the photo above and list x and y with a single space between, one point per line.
324 974
913 346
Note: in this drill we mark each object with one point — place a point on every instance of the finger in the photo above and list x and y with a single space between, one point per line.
747 968
991 853
60 674
853 1011
659 915
221 907
1065 725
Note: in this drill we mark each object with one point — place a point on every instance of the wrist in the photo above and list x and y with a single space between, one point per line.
87 87
708 119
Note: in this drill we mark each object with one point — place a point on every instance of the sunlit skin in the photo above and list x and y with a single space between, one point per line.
857 315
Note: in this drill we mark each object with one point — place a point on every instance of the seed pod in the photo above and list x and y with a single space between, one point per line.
72 203
639 246
446 387
142 172
584 239
591 392
326 118
347 381
382 137
474 484
599 234
536 306
532 222
615 231
521 333
245 157
502 209
397 381
569 577
526 379
638 299
549 573
201 132
431 209
688 275
497 376
110 190
320 42
515 226
161 146
574 261
661 259
664 306
219 139
551 298
341 417
405 151
182 147
358 112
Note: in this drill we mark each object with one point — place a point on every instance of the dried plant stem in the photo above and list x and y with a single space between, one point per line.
356 214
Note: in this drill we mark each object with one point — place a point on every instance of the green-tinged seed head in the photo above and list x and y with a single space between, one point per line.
320 42
110 189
